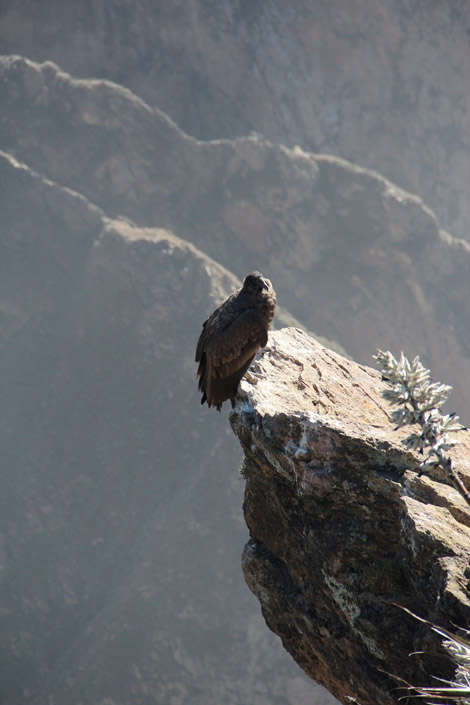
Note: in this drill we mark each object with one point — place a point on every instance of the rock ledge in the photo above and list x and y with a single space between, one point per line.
342 528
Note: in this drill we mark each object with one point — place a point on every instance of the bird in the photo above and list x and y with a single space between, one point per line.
231 337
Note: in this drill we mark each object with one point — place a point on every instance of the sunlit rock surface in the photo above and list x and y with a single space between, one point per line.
342 528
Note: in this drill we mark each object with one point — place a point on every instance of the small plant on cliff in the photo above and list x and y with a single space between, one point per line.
420 401
458 648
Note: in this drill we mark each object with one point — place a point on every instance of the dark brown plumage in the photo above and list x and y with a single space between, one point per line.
231 337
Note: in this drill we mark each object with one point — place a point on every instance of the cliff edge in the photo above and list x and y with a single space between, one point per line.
342 528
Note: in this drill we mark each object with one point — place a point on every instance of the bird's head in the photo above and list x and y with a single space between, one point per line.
254 281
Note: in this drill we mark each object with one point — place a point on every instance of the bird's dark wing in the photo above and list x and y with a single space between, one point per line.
202 341
237 342
213 325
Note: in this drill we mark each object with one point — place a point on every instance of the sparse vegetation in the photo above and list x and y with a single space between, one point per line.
419 402
458 690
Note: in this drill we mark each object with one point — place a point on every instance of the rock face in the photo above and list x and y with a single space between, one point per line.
342 528
352 256
385 85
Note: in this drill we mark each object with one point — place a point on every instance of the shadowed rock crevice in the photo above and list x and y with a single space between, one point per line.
342 528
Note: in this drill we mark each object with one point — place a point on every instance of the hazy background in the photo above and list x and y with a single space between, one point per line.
128 211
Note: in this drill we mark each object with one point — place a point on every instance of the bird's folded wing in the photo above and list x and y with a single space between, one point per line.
201 342
237 342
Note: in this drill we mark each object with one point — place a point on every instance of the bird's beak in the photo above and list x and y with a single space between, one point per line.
265 284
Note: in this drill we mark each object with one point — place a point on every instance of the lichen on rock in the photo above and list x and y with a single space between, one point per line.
342 527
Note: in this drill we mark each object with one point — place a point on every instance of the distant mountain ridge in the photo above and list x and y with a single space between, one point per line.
384 85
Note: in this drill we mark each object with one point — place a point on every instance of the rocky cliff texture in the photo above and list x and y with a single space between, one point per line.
342 529
385 85
352 256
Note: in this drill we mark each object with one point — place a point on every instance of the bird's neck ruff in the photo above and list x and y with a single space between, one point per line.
265 301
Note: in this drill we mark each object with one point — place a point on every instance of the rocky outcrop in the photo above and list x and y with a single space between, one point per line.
342 528
353 257
385 85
